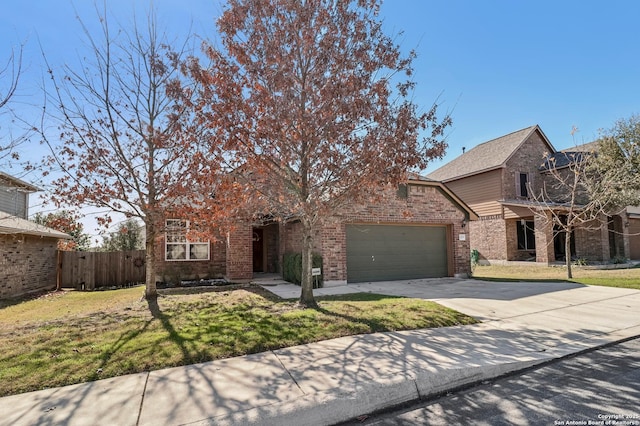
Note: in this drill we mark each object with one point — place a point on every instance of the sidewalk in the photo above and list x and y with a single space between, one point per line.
332 381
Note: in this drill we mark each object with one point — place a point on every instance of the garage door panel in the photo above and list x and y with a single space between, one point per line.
388 252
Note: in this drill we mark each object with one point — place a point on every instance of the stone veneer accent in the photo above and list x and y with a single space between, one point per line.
27 264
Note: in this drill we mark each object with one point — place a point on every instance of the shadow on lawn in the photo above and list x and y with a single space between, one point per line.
174 336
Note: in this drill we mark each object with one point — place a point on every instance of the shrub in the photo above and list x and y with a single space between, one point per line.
617 260
581 261
475 258
292 267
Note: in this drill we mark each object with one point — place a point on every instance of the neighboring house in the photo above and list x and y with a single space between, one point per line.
418 232
495 179
14 195
28 251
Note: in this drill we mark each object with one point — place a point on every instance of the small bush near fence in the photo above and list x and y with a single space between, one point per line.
292 268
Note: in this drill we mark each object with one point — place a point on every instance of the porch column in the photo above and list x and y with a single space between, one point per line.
624 218
605 244
239 261
543 226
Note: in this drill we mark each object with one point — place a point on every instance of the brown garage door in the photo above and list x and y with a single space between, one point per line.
393 252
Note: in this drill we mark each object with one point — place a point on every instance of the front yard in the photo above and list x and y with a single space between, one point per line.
70 337
627 278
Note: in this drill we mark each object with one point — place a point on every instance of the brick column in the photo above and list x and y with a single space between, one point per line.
544 238
461 249
334 254
240 253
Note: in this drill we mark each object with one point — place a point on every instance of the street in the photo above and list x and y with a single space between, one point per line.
597 388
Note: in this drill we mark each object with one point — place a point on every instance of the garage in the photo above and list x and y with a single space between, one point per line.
396 252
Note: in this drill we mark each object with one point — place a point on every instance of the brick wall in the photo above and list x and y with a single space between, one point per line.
27 264
592 241
559 191
488 236
174 271
239 260
526 159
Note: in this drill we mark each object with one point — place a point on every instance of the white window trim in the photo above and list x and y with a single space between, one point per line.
187 244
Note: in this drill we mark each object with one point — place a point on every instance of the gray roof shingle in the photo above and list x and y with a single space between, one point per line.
483 157
14 225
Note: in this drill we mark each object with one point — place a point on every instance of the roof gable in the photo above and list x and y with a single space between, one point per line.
417 179
486 156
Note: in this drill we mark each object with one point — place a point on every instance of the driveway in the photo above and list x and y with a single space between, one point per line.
548 304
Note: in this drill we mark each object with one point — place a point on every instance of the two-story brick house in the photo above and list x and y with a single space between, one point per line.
417 232
28 251
497 179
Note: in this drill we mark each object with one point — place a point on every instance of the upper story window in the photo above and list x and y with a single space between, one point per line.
523 182
179 247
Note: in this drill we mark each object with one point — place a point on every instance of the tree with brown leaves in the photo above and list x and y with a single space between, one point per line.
313 103
69 223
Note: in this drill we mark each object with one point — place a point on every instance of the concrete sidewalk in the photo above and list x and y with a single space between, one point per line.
524 324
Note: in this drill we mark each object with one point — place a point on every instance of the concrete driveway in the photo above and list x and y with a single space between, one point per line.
547 304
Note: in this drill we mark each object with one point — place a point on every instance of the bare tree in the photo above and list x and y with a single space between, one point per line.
574 195
119 148
10 73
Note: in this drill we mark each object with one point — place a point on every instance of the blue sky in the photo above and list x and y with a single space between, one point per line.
497 65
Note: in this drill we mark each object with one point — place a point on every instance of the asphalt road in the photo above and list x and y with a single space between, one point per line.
597 388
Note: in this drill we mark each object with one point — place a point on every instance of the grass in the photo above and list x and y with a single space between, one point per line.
623 278
70 337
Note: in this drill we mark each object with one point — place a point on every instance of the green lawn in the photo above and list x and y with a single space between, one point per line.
625 278
71 337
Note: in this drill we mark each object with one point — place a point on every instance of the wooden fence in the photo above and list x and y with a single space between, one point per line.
87 270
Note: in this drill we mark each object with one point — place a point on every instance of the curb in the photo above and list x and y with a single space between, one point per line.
331 407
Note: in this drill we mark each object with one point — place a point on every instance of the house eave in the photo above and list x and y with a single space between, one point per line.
13 225
18 183
488 169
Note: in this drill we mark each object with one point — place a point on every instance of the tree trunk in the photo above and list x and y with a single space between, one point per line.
151 291
306 296
567 252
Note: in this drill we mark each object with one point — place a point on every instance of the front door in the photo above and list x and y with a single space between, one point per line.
559 243
258 250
